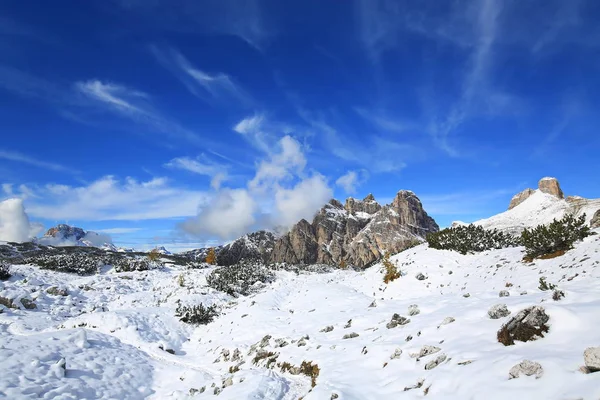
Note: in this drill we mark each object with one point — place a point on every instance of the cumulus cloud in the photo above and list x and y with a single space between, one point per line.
229 214
301 201
14 222
280 193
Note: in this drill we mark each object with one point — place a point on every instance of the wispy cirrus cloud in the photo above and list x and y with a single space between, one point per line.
351 180
133 104
244 19
25 159
201 166
210 87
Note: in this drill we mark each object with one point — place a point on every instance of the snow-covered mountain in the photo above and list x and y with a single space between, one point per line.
538 207
66 235
336 334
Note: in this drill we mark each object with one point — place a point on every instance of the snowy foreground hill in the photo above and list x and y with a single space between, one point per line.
111 332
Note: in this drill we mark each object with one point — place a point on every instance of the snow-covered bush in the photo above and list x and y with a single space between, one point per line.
470 238
4 271
556 237
127 264
78 263
240 279
196 315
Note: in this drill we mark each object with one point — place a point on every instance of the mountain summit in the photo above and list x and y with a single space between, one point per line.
357 233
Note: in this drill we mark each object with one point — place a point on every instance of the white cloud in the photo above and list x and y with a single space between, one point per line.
133 104
217 86
110 199
201 166
289 161
255 131
351 180
228 215
22 158
14 222
280 194
301 201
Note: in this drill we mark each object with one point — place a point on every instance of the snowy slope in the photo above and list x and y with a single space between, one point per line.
540 208
110 329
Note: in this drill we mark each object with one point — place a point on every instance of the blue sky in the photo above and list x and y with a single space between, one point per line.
181 123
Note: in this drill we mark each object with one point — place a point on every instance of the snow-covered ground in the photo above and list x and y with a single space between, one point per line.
110 329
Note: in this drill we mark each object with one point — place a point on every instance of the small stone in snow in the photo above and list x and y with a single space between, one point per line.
420 277
447 320
434 363
350 335
397 353
504 293
413 310
327 329
498 311
527 368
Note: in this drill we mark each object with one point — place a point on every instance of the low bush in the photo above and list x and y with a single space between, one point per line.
196 315
4 271
556 237
470 238
78 263
128 264
240 279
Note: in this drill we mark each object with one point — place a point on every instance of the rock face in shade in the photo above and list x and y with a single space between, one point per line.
595 222
357 233
551 186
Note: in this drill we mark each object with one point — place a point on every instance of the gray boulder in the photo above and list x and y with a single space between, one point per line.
397 320
527 368
591 356
504 293
413 310
434 363
595 222
498 311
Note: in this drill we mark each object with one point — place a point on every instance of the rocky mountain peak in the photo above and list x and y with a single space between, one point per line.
550 186
545 185
66 232
358 233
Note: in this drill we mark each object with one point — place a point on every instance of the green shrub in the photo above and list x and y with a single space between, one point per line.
470 238
4 271
196 315
241 279
557 236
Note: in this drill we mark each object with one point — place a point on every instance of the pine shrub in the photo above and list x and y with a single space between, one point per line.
391 271
196 315
241 279
470 238
4 271
556 237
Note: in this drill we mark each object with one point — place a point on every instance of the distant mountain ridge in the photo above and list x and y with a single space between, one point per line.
67 235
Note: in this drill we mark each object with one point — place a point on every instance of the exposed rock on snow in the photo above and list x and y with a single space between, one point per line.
420 276
56 291
397 353
498 311
504 293
527 368
413 310
595 221
520 197
550 186
447 320
350 335
528 324
591 357
397 320
428 350
434 363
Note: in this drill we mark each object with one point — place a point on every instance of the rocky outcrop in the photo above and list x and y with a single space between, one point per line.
498 311
545 185
595 222
550 186
357 233
520 197
253 246
66 232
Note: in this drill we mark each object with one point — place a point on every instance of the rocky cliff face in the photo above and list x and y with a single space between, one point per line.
357 233
253 246
545 185
66 232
